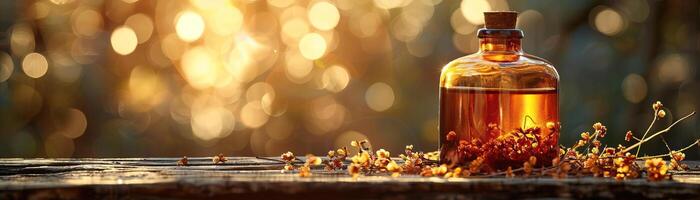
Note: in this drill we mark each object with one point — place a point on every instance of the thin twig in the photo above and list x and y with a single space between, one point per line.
602 150
636 138
534 170
657 133
669 154
666 143
273 159
595 137
647 132
499 173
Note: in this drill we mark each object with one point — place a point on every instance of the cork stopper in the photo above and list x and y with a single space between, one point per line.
500 19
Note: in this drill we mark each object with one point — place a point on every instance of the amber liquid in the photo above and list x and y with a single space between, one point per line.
468 111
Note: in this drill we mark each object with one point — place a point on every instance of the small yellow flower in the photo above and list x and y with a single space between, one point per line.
219 159
509 172
441 170
581 142
393 167
533 160
457 172
550 125
383 153
527 168
657 106
305 171
289 167
341 152
619 161
313 160
661 113
447 175
361 158
354 170
435 155
597 126
679 156
288 157
585 136
623 169
656 169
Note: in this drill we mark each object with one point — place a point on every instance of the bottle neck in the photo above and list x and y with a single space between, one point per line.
500 45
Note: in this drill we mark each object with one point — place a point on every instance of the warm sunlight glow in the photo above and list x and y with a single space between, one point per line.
189 26
473 10
199 67
226 20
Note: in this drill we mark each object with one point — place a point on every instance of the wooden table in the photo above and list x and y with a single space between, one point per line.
249 177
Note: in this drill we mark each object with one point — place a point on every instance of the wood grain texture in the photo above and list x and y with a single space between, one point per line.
249 177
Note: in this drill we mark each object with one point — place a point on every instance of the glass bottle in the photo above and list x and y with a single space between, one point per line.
497 90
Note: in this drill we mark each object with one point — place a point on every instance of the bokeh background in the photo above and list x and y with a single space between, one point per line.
130 78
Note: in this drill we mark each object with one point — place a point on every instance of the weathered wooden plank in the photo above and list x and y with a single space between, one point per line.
248 177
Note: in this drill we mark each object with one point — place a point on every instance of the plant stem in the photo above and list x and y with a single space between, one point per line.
273 159
657 133
595 137
665 143
645 133
669 154
499 173
636 138
602 150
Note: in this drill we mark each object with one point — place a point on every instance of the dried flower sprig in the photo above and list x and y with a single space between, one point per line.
530 147
288 159
671 154
219 159
508 149
414 162
182 161
658 113
676 158
336 159
645 139
656 169
311 160
365 161
596 160
618 162
394 168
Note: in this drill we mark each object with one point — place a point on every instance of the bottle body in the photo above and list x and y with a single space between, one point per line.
487 95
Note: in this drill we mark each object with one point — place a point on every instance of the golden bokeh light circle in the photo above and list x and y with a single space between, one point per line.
189 26
124 40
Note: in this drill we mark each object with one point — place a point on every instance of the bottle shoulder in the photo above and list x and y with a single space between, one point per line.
480 59
520 71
